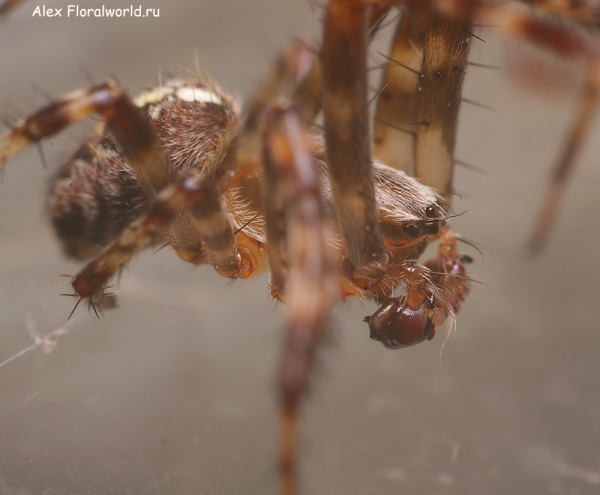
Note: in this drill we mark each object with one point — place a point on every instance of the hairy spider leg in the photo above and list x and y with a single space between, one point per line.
193 193
418 109
302 268
137 139
349 155
446 49
296 76
347 135
396 108
586 109
518 21
143 146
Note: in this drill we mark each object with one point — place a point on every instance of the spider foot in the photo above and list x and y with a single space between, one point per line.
97 302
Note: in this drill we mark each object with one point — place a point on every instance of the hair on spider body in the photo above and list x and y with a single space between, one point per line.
97 194
98 201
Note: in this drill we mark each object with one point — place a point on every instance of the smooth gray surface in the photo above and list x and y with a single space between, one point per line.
173 392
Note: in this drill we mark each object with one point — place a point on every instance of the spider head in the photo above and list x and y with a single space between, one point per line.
429 221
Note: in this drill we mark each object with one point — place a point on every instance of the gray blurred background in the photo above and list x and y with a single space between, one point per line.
173 393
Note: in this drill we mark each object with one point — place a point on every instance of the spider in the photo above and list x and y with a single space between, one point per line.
436 292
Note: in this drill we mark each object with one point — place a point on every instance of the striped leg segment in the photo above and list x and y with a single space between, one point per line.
396 114
439 92
125 121
526 24
297 76
348 139
302 269
428 58
192 194
512 19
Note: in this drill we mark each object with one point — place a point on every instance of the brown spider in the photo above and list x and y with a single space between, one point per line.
298 227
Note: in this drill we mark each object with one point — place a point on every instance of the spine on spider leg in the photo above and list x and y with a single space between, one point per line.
303 271
396 111
135 136
348 140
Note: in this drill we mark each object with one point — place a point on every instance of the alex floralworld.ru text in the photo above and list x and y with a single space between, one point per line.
76 11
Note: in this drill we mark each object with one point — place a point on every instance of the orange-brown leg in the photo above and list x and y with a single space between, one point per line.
586 109
428 58
396 112
302 269
296 75
448 270
348 139
523 23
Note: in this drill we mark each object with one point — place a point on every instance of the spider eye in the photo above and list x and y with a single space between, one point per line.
431 212
411 229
